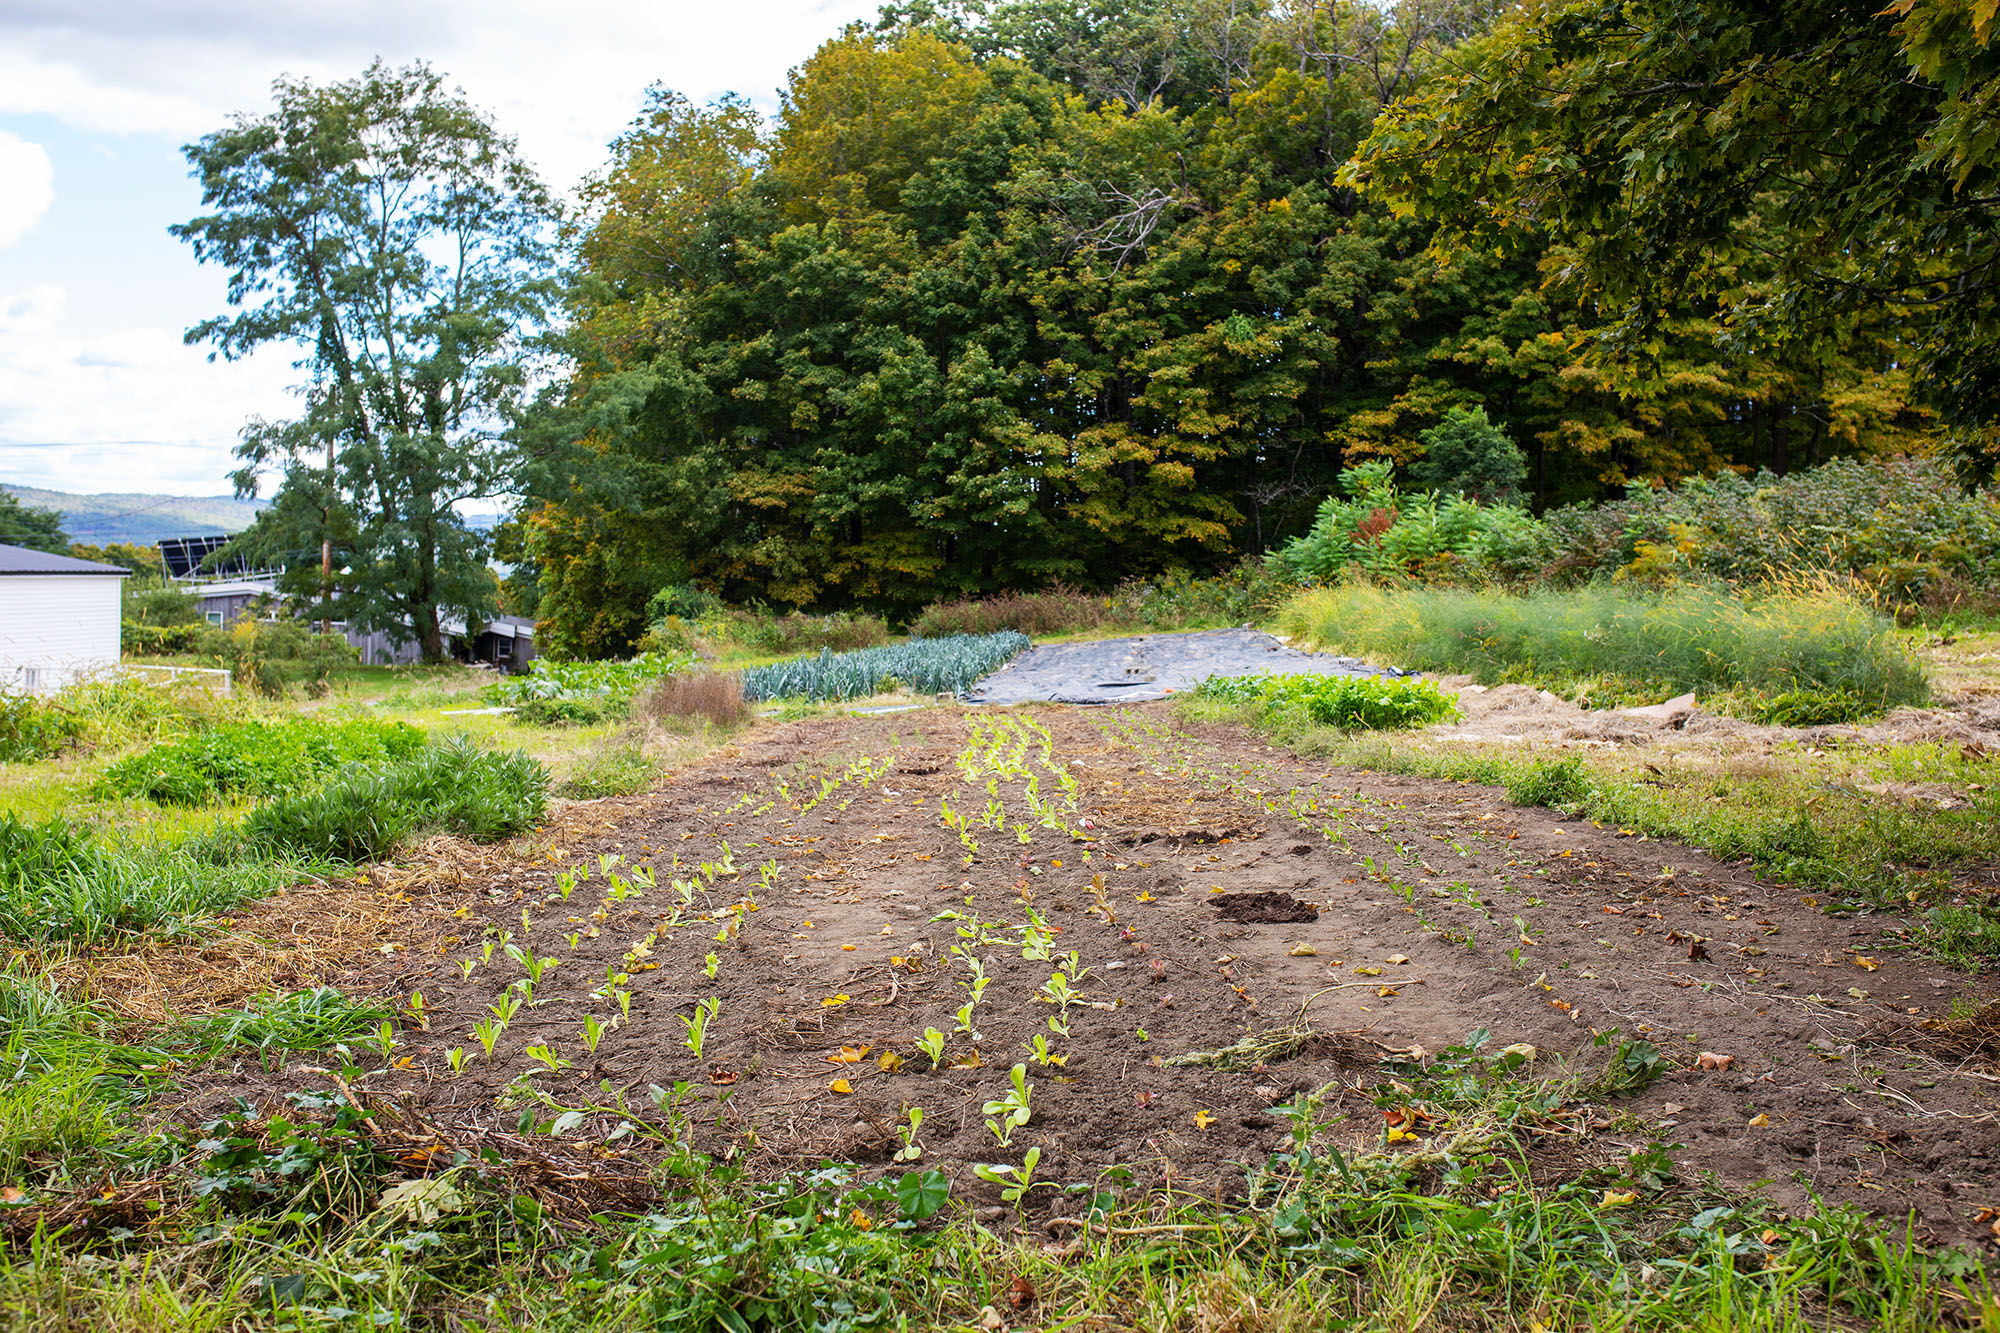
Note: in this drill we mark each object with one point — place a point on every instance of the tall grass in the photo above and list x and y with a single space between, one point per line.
1776 641
452 787
60 883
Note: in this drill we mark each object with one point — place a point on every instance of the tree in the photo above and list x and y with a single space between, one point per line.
1787 170
36 529
1466 454
385 228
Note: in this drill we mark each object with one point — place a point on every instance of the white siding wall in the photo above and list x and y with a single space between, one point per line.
55 627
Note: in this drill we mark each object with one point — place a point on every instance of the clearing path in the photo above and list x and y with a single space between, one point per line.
1115 900
1146 667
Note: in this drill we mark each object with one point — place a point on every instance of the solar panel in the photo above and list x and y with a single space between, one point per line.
184 558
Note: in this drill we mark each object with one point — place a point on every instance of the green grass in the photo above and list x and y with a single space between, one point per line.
255 758
1808 651
453 787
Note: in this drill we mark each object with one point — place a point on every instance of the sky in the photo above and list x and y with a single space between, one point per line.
98 392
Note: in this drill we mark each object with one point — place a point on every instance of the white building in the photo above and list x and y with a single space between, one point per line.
59 619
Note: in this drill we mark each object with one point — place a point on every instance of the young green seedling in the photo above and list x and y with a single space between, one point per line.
1011 1111
547 1057
932 1044
593 1032
697 1026
455 1057
910 1151
1014 1181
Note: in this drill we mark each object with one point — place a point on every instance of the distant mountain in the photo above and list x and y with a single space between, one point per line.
141 519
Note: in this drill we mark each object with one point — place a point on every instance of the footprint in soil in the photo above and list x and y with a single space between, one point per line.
1263 908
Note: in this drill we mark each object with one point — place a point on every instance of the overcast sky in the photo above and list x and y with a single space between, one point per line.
97 391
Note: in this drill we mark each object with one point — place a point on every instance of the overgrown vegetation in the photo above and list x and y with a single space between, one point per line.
451 787
552 691
1358 703
256 758
1795 650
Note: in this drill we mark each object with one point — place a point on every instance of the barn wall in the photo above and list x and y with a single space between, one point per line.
56 627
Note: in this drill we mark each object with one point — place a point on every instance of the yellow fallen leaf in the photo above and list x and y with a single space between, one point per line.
848 947
890 1062
1760 1120
1304 951
1056 864
848 1055
832 1000
1384 992
860 1221
1617 1198
1522 1049
1867 964
888 930
1203 1119
1369 971
1398 959
841 1085
1142 897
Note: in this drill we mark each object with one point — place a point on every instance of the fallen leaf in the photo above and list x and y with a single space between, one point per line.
888 930
848 947
1857 992
1867 964
832 1000
841 1085
848 1055
1021 1294
1710 1060
1672 1108
1617 1199
1522 1049
1368 971
1304 951
1384 992
1203 1119
1401 1136
1760 1120
889 1061
11 1194
1142 897
1770 1237
722 1077
1397 959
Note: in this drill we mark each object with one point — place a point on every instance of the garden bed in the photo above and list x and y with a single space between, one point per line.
1442 908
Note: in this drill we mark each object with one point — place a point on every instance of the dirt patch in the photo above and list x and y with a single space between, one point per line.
1262 908
1520 714
833 917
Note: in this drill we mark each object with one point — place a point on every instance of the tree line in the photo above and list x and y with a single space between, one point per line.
1067 290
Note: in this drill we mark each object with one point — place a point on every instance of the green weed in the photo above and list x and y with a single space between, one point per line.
255 759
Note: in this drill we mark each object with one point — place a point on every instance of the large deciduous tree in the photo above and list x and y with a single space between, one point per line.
387 230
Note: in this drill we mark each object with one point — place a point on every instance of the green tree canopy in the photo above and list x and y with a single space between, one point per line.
387 230
36 529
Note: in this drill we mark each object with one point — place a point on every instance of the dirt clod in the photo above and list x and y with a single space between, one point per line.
1263 908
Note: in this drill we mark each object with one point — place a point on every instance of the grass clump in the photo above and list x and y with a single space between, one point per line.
923 666
454 787
1056 610
305 1020
63 1081
255 759
713 697
59 882
1811 645
1352 703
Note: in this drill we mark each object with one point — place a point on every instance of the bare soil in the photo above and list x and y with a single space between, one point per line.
1440 909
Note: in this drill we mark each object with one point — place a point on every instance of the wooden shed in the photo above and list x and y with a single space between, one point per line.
59 619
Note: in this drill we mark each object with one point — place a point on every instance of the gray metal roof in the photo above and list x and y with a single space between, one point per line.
21 560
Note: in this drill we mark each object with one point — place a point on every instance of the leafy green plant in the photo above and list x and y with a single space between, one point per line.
256 759
926 666
1350 702
911 1150
1014 1181
1011 1110
1562 783
697 1024
30 729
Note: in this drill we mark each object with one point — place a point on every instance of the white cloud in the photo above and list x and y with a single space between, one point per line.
125 410
564 78
27 186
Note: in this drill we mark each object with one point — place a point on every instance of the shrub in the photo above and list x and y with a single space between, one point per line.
273 656
925 666
31 729
454 787
1178 600
795 631
1350 702
1375 527
715 696
255 759
1691 638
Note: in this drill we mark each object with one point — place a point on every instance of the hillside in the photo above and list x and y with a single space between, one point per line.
138 517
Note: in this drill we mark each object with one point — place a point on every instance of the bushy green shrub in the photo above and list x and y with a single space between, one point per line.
32 729
255 759
1354 703
1466 454
1376 527
924 666
1692 638
454 787
1179 600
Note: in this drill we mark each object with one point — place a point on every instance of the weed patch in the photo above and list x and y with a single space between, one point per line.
1361 703
255 759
